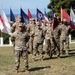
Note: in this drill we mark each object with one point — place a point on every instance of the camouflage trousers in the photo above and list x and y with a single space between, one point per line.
18 55
31 44
57 45
37 48
49 46
64 45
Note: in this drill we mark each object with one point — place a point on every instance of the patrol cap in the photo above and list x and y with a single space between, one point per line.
37 23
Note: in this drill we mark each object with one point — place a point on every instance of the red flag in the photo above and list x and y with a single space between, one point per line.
1 23
64 15
29 14
55 23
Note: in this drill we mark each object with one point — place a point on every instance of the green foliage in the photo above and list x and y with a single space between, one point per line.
5 37
55 6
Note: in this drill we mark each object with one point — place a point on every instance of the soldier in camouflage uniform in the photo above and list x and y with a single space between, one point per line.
64 37
14 26
56 39
38 41
30 29
20 39
44 26
49 40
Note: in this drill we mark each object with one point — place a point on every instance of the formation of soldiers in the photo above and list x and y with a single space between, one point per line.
31 38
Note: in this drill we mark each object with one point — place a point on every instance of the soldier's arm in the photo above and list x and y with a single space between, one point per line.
32 33
27 39
11 23
27 28
13 27
13 35
24 27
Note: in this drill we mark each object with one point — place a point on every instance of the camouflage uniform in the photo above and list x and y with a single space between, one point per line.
49 41
64 37
30 29
38 41
56 39
44 27
20 39
14 26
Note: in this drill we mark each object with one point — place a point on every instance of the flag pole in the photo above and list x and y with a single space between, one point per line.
61 13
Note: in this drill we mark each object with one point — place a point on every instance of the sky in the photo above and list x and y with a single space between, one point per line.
15 5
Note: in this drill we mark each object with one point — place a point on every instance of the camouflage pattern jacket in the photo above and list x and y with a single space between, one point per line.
14 26
65 30
30 29
20 40
38 35
44 29
49 33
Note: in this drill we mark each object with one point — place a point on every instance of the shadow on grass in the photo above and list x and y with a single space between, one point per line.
71 52
50 58
36 68
39 68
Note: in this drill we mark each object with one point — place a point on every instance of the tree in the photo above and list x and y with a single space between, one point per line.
55 6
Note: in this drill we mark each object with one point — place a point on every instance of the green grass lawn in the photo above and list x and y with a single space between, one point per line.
55 66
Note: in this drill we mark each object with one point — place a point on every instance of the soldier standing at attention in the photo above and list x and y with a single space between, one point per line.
38 41
49 40
64 37
20 47
30 29
56 40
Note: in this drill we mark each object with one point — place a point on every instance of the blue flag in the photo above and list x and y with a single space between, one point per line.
24 16
41 16
12 17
